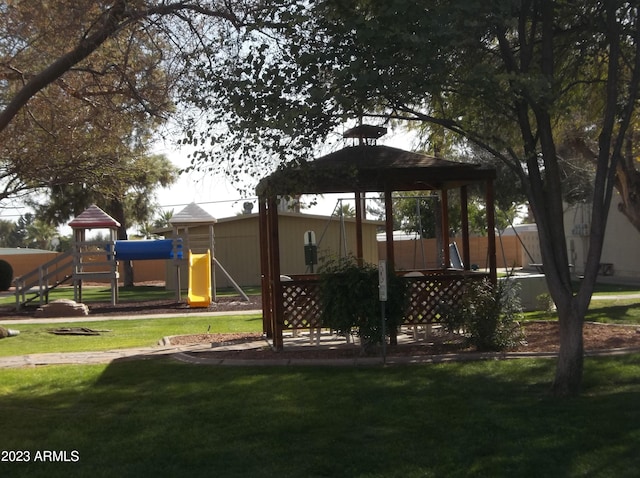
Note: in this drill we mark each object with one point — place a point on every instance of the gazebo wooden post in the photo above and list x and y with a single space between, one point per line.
359 214
388 226
276 285
265 268
444 202
464 212
491 232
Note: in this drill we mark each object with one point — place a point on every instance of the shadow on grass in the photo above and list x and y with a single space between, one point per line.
162 418
614 314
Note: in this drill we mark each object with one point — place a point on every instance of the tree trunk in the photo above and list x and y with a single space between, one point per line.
117 211
569 368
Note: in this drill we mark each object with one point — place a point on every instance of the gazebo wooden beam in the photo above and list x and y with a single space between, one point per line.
491 231
265 267
464 213
444 202
275 283
388 227
359 215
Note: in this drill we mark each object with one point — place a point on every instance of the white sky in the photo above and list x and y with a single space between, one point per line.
216 195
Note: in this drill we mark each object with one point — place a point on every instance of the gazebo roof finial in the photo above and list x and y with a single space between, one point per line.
365 133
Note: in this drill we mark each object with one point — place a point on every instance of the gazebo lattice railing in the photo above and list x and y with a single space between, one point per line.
427 297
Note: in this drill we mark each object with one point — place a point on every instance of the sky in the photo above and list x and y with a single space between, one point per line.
216 195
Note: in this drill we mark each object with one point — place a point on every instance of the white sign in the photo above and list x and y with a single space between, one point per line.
382 280
309 238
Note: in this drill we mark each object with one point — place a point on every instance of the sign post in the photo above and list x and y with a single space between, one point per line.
382 294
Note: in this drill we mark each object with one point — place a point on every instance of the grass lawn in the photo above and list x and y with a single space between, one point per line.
92 294
162 418
35 338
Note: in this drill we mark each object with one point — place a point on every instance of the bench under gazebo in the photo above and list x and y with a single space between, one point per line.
292 301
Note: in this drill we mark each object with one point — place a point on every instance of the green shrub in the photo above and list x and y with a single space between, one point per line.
488 314
349 294
6 275
545 303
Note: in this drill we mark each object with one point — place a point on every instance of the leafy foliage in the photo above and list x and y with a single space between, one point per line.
511 78
350 300
6 275
488 314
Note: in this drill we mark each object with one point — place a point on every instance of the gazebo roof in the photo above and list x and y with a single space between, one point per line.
372 168
94 218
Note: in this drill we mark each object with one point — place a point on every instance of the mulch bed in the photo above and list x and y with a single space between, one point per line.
539 337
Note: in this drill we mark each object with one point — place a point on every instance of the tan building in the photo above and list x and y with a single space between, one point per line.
237 245
621 249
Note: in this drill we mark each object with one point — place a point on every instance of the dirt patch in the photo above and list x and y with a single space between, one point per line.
539 337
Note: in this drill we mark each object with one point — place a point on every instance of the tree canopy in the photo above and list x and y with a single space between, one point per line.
509 77
268 81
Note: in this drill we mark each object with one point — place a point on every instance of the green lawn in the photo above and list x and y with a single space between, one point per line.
35 338
164 418
161 418
137 293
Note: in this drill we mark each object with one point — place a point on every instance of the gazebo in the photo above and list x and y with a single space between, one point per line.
292 301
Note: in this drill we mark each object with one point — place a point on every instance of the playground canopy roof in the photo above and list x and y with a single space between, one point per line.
94 218
192 215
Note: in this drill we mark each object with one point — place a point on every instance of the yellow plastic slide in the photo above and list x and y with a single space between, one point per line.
199 280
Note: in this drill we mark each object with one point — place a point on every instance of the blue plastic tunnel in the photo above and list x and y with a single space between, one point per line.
147 250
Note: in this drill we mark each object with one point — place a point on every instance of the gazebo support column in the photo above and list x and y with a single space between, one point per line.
491 232
265 268
275 285
446 254
388 222
464 213
359 214
388 227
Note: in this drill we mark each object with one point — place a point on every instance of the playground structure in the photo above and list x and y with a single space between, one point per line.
98 260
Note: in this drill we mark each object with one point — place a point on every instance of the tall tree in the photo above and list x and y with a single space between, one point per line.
502 75
65 61
6 228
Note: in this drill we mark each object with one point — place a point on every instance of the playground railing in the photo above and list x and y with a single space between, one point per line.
60 266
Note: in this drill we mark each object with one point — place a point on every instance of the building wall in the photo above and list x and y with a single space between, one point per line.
237 245
25 262
423 254
621 246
